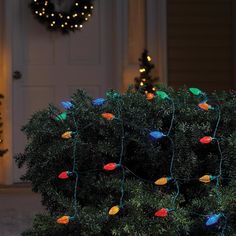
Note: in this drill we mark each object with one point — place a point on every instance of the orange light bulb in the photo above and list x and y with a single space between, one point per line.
108 116
207 178
162 181
205 106
64 220
67 135
149 96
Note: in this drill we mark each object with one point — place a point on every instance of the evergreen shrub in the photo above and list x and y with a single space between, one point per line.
99 142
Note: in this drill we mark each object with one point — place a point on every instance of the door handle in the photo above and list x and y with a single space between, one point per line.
17 75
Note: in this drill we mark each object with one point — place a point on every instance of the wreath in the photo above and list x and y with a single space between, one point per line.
59 15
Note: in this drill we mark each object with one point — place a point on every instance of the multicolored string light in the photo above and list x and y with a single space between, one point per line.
74 172
164 180
155 135
214 218
112 166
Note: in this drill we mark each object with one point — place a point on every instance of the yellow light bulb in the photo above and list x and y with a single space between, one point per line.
52 14
68 17
205 179
146 91
91 7
86 18
40 14
143 79
141 83
89 15
114 210
85 7
149 58
62 26
153 89
82 13
76 4
67 135
142 70
66 23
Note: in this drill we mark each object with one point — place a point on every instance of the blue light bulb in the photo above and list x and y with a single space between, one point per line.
213 219
99 102
67 105
156 135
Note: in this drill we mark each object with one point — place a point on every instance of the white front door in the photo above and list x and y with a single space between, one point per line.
54 65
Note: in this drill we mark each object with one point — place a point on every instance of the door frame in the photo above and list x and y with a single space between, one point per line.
157 36
7 160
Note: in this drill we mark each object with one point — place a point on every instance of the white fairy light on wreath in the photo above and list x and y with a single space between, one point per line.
62 21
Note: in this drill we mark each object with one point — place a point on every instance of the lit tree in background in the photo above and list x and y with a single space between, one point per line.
145 83
2 151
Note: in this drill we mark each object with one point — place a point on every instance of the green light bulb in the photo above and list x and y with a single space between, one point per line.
162 94
112 94
61 116
195 91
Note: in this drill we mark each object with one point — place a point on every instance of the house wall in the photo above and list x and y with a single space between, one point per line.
201 43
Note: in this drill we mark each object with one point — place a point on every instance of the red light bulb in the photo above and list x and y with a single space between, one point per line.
65 175
206 140
111 166
163 212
